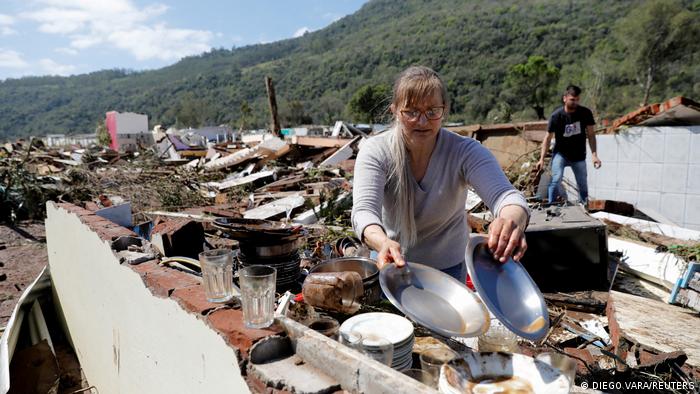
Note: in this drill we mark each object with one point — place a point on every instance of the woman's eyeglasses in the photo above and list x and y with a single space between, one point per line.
434 113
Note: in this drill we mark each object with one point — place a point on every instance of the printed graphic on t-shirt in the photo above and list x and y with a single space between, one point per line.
572 129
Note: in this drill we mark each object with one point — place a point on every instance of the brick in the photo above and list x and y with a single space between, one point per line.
162 281
581 356
104 228
229 323
193 299
651 359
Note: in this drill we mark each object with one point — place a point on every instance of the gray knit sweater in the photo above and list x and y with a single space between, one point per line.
440 197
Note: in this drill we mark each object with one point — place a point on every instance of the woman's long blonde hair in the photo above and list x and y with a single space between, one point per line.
412 86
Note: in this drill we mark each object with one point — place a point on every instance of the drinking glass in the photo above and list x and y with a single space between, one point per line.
217 274
498 338
350 339
257 295
432 360
421 376
565 364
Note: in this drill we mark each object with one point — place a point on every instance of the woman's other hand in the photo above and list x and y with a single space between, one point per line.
389 251
507 234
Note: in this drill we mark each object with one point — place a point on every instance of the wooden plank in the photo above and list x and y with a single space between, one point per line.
320 142
654 325
275 208
243 180
341 154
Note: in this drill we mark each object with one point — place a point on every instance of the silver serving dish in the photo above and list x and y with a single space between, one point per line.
507 290
434 300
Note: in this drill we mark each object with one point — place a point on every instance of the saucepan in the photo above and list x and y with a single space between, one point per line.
367 268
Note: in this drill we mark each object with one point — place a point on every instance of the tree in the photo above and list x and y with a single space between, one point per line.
533 82
103 137
654 36
369 102
245 114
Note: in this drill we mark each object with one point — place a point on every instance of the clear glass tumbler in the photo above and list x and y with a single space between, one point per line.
421 376
498 338
565 364
257 295
351 339
217 274
432 360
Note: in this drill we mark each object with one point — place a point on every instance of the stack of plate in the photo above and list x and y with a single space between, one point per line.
287 266
394 328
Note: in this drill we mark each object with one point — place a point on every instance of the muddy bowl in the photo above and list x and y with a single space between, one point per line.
496 372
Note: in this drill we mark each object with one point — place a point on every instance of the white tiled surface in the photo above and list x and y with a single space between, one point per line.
651 200
692 209
627 176
650 176
694 178
673 206
677 148
652 147
653 167
675 178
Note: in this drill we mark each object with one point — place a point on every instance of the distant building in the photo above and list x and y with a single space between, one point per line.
84 140
128 131
216 134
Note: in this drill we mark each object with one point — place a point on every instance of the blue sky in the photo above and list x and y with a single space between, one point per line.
64 37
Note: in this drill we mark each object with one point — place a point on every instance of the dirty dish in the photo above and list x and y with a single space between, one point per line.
434 300
395 329
507 290
500 373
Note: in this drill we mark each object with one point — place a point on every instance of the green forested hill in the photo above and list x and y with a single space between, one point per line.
471 43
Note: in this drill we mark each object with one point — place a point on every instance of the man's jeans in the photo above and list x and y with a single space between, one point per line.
579 169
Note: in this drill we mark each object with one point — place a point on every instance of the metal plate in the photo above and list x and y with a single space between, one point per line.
507 290
434 300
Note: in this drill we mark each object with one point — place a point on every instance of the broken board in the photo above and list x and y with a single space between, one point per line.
287 204
655 325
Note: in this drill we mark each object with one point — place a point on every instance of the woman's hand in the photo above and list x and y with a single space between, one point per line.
507 233
390 252
388 249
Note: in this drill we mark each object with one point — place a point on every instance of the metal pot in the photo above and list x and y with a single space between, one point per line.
367 268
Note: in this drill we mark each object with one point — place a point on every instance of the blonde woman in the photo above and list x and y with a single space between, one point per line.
410 185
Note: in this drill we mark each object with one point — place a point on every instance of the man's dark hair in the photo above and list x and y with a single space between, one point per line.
573 90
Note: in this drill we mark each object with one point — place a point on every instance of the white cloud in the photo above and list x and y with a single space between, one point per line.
66 51
6 20
50 67
7 31
301 31
161 42
11 59
118 24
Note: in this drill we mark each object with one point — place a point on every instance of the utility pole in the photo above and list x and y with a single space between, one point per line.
275 124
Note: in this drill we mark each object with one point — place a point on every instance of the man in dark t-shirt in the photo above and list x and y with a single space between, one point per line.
570 125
